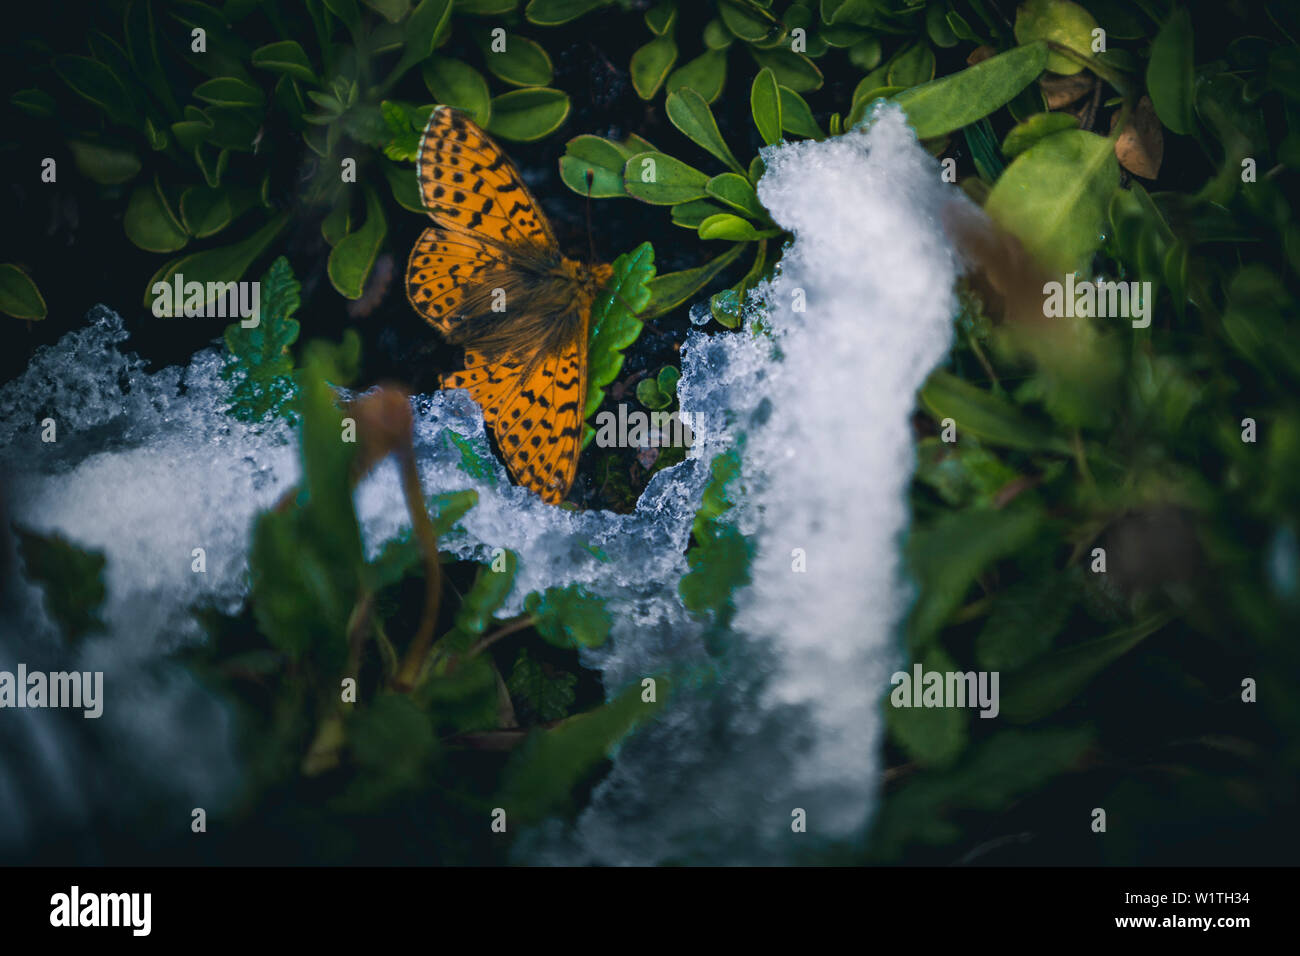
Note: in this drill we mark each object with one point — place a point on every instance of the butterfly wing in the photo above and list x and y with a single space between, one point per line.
536 411
467 184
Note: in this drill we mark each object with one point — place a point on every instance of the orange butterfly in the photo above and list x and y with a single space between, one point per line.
490 276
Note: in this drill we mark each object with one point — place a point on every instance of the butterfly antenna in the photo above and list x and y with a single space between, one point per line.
591 239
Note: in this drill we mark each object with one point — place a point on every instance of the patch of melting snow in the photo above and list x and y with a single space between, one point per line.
148 467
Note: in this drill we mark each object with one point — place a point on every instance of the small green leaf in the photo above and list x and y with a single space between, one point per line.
287 57
930 736
670 290
352 259
569 617
1169 72
104 164
791 69
97 83
541 696
650 66
662 180
690 113
19 296
1061 21
220 265
986 416
961 98
613 326
765 104
1053 681
604 158
747 20
523 62
661 18
690 214
529 114
797 117
455 83
1035 128
392 10
1054 197
149 224
913 66
36 103
706 75
735 191
544 772
947 555
649 394
550 13
230 91
258 360
733 228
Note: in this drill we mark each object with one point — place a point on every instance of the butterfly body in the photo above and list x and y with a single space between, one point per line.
490 277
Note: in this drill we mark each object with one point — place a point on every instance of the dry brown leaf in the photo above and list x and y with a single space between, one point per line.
1141 147
979 55
1063 90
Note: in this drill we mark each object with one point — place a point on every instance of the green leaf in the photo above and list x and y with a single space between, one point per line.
1169 72
72 579
542 774
529 114
1054 197
662 180
930 736
947 555
36 103
569 617
651 396
1064 22
613 326
455 83
230 91
549 13
793 70
104 164
735 191
258 360
401 555
287 57
1035 128
150 224
669 291
420 34
961 98
719 566
218 266
662 17
1025 619
479 606
988 417
690 113
604 158
352 259
19 296
765 105
540 695
913 66
392 10
97 83
991 777
797 117
706 75
726 226
1053 681
650 66
747 20
306 563
522 63
405 188
690 214
392 747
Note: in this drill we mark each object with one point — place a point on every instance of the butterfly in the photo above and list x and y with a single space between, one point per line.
490 277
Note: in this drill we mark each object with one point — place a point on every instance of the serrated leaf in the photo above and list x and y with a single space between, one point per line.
613 326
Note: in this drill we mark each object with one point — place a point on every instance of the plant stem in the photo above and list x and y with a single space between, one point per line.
427 538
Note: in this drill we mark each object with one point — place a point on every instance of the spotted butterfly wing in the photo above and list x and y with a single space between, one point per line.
490 246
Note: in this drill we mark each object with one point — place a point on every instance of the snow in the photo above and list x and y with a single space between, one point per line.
149 466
